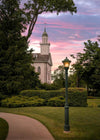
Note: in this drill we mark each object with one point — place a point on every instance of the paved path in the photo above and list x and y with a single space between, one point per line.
25 128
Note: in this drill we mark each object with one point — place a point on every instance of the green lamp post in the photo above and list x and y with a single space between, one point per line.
66 62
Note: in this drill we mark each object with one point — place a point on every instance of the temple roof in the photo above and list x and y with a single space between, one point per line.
39 58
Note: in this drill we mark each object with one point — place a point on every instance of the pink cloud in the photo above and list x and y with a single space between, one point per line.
67 33
60 50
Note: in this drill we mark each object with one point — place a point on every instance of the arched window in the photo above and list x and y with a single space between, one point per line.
39 70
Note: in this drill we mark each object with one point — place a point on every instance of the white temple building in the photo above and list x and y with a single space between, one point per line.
43 60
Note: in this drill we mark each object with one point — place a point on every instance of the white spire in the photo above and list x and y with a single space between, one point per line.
44 45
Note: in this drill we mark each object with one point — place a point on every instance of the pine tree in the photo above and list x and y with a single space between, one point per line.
16 72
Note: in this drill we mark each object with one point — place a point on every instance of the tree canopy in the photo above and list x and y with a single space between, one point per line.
59 77
16 72
33 8
88 65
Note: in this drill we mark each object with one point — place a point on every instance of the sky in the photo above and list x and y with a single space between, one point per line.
66 32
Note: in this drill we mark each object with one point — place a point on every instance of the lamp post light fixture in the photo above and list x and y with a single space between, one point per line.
66 62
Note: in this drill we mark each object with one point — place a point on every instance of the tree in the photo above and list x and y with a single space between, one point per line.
74 80
76 77
89 62
59 77
35 7
16 72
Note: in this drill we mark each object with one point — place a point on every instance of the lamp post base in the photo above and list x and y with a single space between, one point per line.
66 128
66 132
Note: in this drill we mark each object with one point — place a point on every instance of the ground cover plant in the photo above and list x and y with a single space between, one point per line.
3 129
84 121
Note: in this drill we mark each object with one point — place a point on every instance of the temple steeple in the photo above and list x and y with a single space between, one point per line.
43 60
45 45
44 37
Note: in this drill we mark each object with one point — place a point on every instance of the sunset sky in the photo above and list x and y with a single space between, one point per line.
67 33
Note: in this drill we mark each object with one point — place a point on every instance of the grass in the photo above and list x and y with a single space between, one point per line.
84 121
93 102
3 129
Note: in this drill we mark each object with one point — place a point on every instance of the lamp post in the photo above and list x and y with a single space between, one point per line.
66 62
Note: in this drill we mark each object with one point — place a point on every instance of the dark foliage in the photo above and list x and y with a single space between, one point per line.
87 67
16 72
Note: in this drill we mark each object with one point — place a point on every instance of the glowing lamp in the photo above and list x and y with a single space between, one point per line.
66 62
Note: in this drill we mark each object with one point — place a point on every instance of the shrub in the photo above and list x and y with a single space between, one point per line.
76 96
76 89
44 94
56 101
2 97
77 99
22 101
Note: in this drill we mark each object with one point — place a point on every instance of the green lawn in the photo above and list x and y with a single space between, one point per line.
3 129
84 121
93 102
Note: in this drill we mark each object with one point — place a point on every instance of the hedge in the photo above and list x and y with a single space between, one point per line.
44 94
76 97
56 101
22 101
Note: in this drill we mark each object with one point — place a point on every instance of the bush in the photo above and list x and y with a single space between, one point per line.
22 101
76 89
44 94
56 101
2 97
76 96
77 99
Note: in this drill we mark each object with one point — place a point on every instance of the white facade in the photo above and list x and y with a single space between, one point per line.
43 60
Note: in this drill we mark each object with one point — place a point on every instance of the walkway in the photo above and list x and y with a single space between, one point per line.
25 128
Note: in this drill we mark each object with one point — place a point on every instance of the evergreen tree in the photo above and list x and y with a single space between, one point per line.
16 72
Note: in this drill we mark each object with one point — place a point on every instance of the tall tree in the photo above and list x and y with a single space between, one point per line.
89 62
16 72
